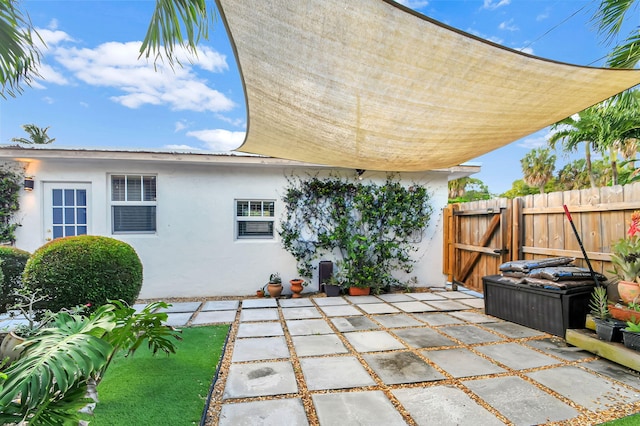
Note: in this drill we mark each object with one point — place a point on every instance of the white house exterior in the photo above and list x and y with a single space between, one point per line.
180 213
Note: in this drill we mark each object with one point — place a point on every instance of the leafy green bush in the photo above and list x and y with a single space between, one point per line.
84 270
12 263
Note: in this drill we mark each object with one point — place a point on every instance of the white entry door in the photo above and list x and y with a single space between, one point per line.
66 209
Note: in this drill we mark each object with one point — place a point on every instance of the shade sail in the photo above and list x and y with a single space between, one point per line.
369 84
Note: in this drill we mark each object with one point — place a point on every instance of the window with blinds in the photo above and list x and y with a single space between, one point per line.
133 204
255 219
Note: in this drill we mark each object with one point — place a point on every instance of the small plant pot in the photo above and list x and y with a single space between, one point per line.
629 291
332 290
631 340
8 346
274 289
260 293
296 288
609 330
359 291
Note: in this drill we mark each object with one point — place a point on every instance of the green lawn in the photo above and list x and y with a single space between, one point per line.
161 390
633 420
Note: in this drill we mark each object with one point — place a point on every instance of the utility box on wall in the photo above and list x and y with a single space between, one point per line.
325 271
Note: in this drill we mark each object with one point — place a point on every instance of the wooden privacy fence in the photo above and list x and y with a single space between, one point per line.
480 235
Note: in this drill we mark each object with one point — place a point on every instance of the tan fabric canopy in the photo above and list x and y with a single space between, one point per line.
369 84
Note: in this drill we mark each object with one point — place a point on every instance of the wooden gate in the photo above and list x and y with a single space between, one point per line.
480 235
477 240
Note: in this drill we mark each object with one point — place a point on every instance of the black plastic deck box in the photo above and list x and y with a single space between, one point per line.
549 310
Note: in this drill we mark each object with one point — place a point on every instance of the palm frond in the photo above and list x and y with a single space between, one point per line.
627 54
170 18
611 15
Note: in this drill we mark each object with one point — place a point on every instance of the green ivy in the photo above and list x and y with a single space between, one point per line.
9 204
368 227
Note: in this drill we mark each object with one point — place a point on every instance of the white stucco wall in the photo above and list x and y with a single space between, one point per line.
194 252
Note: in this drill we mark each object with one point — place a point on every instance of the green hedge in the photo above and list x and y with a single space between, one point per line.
12 263
84 270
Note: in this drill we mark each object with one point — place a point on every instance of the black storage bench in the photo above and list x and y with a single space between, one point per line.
549 310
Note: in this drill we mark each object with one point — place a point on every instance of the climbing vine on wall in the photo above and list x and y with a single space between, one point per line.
9 203
370 228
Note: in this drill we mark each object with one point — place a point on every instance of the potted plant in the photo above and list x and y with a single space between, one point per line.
607 328
625 258
274 286
297 285
9 347
333 286
260 291
631 335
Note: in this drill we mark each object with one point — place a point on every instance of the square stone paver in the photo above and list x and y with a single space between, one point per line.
181 307
296 303
275 412
443 405
423 338
330 301
340 311
213 317
221 305
260 329
521 402
474 317
308 327
473 302
401 367
260 379
324 344
512 330
456 295
301 313
516 356
447 305
178 319
260 348
615 371
357 300
266 302
414 306
335 373
378 308
395 297
558 347
593 392
461 362
356 408
354 324
425 296
397 321
436 319
268 314
372 341
470 334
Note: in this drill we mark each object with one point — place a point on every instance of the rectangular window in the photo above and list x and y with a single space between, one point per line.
133 204
255 219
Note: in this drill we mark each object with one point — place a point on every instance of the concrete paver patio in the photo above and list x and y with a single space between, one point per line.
367 361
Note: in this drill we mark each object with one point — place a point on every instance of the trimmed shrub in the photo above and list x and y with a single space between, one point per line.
12 263
84 270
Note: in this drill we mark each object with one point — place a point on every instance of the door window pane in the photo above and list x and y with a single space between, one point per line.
81 230
57 232
57 215
81 197
81 216
69 231
69 197
69 216
57 197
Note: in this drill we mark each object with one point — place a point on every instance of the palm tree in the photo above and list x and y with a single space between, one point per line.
579 128
181 22
610 16
537 167
37 135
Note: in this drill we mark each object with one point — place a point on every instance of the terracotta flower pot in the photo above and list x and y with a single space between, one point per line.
274 289
8 346
625 314
358 291
629 291
296 288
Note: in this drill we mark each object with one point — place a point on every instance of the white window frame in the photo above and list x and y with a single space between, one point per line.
265 216
130 203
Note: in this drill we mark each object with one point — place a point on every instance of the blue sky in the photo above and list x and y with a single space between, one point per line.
97 94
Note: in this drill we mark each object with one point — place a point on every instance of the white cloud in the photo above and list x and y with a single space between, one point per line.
236 122
180 125
116 65
494 4
539 139
182 147
52 38
50 75
493 39
508 26
525 50
53 24
219 139
49 100
544 15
